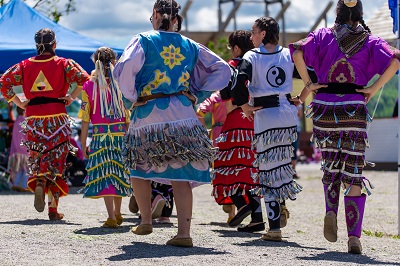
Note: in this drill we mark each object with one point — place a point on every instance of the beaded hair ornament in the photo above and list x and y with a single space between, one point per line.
350 3
109 106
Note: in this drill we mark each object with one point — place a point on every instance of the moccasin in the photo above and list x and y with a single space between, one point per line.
143 229
330 226
186 242
272 236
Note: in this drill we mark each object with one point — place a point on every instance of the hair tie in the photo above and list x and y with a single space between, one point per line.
350 3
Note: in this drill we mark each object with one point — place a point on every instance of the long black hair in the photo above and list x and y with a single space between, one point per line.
45 39
169 10
354 14
241 38
271 28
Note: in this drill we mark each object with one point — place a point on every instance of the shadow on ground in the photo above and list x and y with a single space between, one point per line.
234 233
38 222
345 257
139 250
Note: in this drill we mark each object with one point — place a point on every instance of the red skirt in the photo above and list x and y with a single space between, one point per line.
48 145
233 167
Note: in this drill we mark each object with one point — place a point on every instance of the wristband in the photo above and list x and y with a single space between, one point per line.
298 98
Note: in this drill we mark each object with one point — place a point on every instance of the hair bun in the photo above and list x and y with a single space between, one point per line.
350 3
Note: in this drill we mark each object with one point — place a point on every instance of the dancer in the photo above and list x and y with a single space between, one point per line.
216 106
339 110
18 159
162 202
103 107
45 80
233 167
269 70
165 141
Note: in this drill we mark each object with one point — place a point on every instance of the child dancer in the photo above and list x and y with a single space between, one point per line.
233 167
102 106
216 106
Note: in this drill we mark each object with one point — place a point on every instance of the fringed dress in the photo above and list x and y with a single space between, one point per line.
346 59
270 76
106 173
233 167
44 79
165 140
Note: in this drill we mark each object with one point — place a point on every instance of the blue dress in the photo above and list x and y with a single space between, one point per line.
165 140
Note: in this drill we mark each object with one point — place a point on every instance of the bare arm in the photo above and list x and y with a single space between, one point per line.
69 98
301 66
385 77
84 135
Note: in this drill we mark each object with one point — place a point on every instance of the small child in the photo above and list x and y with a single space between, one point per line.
18 159
102 106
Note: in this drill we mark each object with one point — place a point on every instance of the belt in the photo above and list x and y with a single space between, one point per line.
157 95
269 101
341 88
44 100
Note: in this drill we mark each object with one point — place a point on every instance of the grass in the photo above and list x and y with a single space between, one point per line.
380 234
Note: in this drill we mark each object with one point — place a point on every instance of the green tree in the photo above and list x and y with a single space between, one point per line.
386 102
51 8
220 47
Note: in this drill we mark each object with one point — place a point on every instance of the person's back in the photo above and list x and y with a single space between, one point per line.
45 80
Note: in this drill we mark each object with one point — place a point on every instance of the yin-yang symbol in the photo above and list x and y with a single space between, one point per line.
276 76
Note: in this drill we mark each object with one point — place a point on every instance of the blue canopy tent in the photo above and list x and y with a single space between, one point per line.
18 25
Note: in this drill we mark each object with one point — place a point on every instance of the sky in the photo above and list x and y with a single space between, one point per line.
115 22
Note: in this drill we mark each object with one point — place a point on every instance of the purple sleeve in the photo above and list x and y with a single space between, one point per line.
309 46
381 54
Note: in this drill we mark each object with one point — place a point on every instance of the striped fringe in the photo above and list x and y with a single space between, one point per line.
182 141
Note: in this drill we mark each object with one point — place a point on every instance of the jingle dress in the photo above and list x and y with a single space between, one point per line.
44 79
233 168
106 173
270 76
165 140
340 118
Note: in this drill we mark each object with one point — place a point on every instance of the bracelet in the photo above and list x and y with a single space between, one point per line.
298 98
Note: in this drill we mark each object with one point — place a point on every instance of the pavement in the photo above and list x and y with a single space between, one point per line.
29 238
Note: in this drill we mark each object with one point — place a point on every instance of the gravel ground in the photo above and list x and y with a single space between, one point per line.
29 238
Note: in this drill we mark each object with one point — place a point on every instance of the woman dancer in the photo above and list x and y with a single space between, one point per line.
269 69
345 57
45 80
165 141
103 107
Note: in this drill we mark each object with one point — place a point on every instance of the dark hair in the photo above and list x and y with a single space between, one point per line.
354 14
241 38
169 10
106 55
20 111
45 39
271 28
